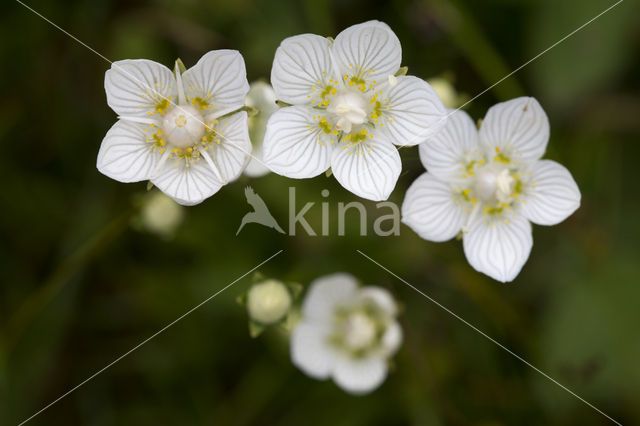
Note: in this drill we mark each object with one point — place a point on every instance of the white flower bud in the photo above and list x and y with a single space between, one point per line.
445 91
160 214
268 302
261 97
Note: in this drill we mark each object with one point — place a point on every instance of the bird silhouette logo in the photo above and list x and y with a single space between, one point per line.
260 213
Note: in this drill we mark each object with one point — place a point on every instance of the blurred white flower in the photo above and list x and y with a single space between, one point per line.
174 128
490 184
160 214
268 302
261 97
347 113
347 333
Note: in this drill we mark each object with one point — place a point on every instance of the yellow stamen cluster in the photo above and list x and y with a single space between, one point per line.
326 90
357 79
378 107
204 102
211 136
190 155
464 199
156 140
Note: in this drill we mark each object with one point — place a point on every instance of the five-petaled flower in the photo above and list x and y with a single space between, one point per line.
347 333
182 131
490 184
348 109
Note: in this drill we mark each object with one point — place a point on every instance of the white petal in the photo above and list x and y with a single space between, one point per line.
139 87
499 249
370 51
231 155
359 376
256 167
294 145
325 293
187 185
369 169
410 111
217 84
446 153
553 195
392 338
310 350
381 297
301 63
125 155
518 128
432 210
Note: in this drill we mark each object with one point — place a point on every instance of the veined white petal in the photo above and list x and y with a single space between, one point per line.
295 145
217 84
409 112
499 249
553 195
381 297
446 154
325 293
310 350
301 68
370 51
231 148
187 183
517 129
432 209
359 376
369 168
139 88
125 154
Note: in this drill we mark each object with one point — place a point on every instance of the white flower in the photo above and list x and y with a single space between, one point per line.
347 112
268 302
347 333
175 129
160 214
490 184
262 97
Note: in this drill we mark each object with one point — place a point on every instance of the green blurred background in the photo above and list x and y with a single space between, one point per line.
80 285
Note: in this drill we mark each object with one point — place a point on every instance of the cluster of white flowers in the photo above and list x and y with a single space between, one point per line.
346 103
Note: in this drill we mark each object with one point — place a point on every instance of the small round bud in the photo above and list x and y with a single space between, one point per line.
160 214
268 302
445 91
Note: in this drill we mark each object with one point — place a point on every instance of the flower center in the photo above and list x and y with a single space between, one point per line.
494 183
350 109
184 126
360 331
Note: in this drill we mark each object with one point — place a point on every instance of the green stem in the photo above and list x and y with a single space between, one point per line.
59 278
